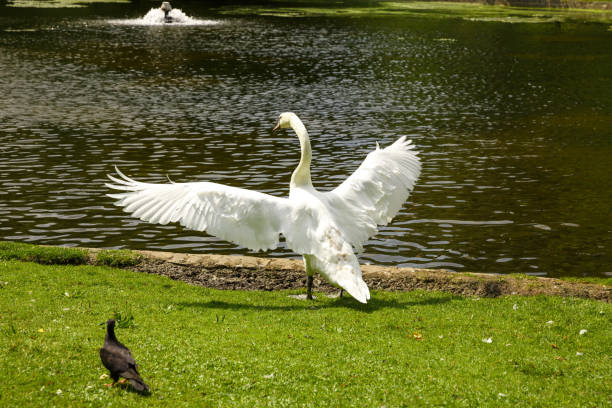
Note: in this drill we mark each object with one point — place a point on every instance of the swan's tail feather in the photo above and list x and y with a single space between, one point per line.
336 261
357 288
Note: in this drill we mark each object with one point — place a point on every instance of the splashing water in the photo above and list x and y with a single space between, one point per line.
155 16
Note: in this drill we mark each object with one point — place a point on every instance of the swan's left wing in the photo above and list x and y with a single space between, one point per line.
376 191
248 218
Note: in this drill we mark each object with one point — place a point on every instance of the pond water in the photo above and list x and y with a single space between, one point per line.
513 121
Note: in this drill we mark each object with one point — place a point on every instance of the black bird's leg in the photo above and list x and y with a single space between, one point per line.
309 287
113 383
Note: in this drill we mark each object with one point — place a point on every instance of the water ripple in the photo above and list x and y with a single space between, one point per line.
515 168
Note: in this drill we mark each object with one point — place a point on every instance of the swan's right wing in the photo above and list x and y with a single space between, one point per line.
248 218
376 191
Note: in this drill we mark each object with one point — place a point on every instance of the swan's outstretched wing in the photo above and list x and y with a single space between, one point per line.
375 192
245 217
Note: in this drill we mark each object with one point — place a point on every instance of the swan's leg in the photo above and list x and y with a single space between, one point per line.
309 287
341 293
309 276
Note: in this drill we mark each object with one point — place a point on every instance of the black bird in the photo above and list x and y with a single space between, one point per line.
119 361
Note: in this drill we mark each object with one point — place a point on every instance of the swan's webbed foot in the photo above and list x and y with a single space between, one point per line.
309 280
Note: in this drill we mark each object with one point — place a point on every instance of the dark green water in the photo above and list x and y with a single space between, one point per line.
514 122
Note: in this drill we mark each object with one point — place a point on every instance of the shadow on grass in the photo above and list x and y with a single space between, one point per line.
349 303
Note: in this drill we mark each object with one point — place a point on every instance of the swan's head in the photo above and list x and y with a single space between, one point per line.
284 120
166 6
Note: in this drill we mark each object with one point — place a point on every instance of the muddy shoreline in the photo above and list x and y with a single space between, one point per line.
251 273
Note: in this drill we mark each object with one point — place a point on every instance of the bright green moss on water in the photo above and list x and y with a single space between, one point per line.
59 3
465 11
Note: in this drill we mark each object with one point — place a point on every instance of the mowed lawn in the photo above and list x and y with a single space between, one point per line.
202 347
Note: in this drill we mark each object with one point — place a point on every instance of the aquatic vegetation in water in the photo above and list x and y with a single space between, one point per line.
465 11
20 30
58 3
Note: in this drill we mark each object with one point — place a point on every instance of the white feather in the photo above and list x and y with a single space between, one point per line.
322 227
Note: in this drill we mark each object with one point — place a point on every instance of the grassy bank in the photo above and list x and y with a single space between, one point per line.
203 347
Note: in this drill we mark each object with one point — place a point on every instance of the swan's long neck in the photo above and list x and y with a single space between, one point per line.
301 175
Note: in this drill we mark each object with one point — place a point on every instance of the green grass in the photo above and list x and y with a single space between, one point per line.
118 258
594 279
41 254
208 348
586 279
50 255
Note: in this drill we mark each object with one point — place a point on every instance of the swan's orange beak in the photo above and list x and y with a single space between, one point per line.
277 127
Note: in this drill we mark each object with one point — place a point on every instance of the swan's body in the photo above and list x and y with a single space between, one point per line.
322 226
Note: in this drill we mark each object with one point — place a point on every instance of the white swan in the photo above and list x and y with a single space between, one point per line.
322 227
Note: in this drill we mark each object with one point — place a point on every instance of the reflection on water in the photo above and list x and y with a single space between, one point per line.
513 125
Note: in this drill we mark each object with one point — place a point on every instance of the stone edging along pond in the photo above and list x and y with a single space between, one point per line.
252 273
